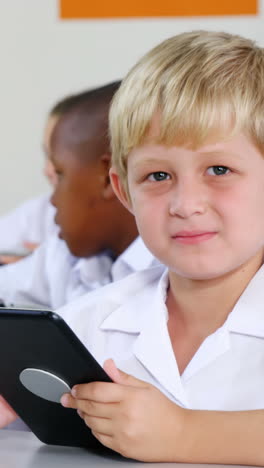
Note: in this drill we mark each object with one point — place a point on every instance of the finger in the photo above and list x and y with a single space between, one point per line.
31 245
106 440
6 259
121 377
91 408
7 417
112 371
98 410
68 401
100 425
7 414
102 392
81 413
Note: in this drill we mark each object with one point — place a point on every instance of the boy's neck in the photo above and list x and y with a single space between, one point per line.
124 224
198 308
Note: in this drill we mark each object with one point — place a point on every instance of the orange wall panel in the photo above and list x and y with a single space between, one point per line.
80 9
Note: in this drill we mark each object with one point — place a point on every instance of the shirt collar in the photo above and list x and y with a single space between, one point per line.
96 268
132 315
137 256
247 316
152 347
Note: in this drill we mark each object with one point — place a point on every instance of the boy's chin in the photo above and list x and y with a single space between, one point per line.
205 274
78 250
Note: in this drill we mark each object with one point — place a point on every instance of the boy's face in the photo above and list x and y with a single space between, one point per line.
79 201
199 212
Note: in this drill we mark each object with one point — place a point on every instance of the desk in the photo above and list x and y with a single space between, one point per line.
19 449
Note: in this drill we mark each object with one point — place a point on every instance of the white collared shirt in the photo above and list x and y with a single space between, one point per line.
32 221
51 277
127 321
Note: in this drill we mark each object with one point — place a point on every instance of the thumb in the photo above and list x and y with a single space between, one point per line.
121 377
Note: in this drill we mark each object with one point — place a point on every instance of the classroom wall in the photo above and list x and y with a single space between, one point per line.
43 58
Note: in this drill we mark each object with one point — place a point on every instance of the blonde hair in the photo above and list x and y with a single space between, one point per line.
199 84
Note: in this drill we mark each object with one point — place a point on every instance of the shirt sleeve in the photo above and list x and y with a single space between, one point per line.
32 221
25 282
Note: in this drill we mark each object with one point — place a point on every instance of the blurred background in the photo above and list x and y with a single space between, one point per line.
44 57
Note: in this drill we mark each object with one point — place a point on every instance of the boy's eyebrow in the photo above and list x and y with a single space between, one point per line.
220 153
146 162
151 160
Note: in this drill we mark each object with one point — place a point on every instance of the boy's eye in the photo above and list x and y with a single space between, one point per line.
158 176
218 170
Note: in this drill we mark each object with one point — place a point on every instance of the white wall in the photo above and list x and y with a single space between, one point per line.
43 59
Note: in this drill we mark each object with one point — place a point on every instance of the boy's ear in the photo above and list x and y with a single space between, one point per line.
107 192
119 189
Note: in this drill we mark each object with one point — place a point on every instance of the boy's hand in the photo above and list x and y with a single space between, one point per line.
31 246
129 416
7 414
7 259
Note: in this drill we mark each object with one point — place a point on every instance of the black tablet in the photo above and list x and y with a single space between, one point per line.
41 358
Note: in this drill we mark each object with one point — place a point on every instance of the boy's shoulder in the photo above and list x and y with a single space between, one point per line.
91 309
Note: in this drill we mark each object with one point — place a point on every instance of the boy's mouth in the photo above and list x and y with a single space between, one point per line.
60 234
193 237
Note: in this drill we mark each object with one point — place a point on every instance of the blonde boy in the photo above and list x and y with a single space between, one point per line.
187 134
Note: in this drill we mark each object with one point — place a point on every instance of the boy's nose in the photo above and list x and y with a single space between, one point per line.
188 199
